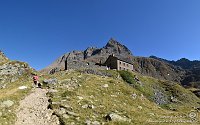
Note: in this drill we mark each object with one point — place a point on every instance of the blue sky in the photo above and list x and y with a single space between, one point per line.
39 31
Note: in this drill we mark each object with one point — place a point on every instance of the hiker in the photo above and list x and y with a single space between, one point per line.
36 80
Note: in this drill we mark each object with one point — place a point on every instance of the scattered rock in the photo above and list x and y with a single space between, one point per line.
65 116
91 106
173 109
116 117
113 95
142 97
67 107
78 118
61 111
53 90
173 99
88 122
88 106
3 86
134 96
85 106
140 107
92 96
22 87
72 114
52 71
72 123
105 86
80 97
50 81
7 103
151 114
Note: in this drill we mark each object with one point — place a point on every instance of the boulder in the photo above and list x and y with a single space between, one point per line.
65 116
7 103
105 86
88 106
88 122
116 117
134 96
72 114
173 99
22 87
50 81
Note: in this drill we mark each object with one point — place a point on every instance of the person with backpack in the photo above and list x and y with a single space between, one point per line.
36 81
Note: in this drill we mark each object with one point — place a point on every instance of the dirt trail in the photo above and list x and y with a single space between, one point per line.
33 110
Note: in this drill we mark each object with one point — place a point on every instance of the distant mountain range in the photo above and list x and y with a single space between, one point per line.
183 71
191 68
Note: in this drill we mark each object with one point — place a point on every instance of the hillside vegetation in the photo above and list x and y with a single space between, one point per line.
80 98
13 74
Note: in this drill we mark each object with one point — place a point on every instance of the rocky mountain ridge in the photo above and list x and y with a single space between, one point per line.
89 57
92 55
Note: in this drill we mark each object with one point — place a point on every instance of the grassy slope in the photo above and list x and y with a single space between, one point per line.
117 98
11 92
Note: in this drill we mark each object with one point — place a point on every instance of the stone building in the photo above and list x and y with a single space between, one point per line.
118 63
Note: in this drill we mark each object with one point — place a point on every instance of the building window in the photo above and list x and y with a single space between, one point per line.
120 68
124 69
120 62
124 64
127 65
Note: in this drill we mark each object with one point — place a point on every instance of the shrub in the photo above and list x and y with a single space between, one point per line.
127 76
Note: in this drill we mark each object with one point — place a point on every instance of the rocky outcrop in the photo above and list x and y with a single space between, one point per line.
90 52
11 71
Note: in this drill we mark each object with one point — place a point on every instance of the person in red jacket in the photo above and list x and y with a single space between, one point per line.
36 80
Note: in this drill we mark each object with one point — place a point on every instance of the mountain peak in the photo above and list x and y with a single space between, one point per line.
117 47
112 42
